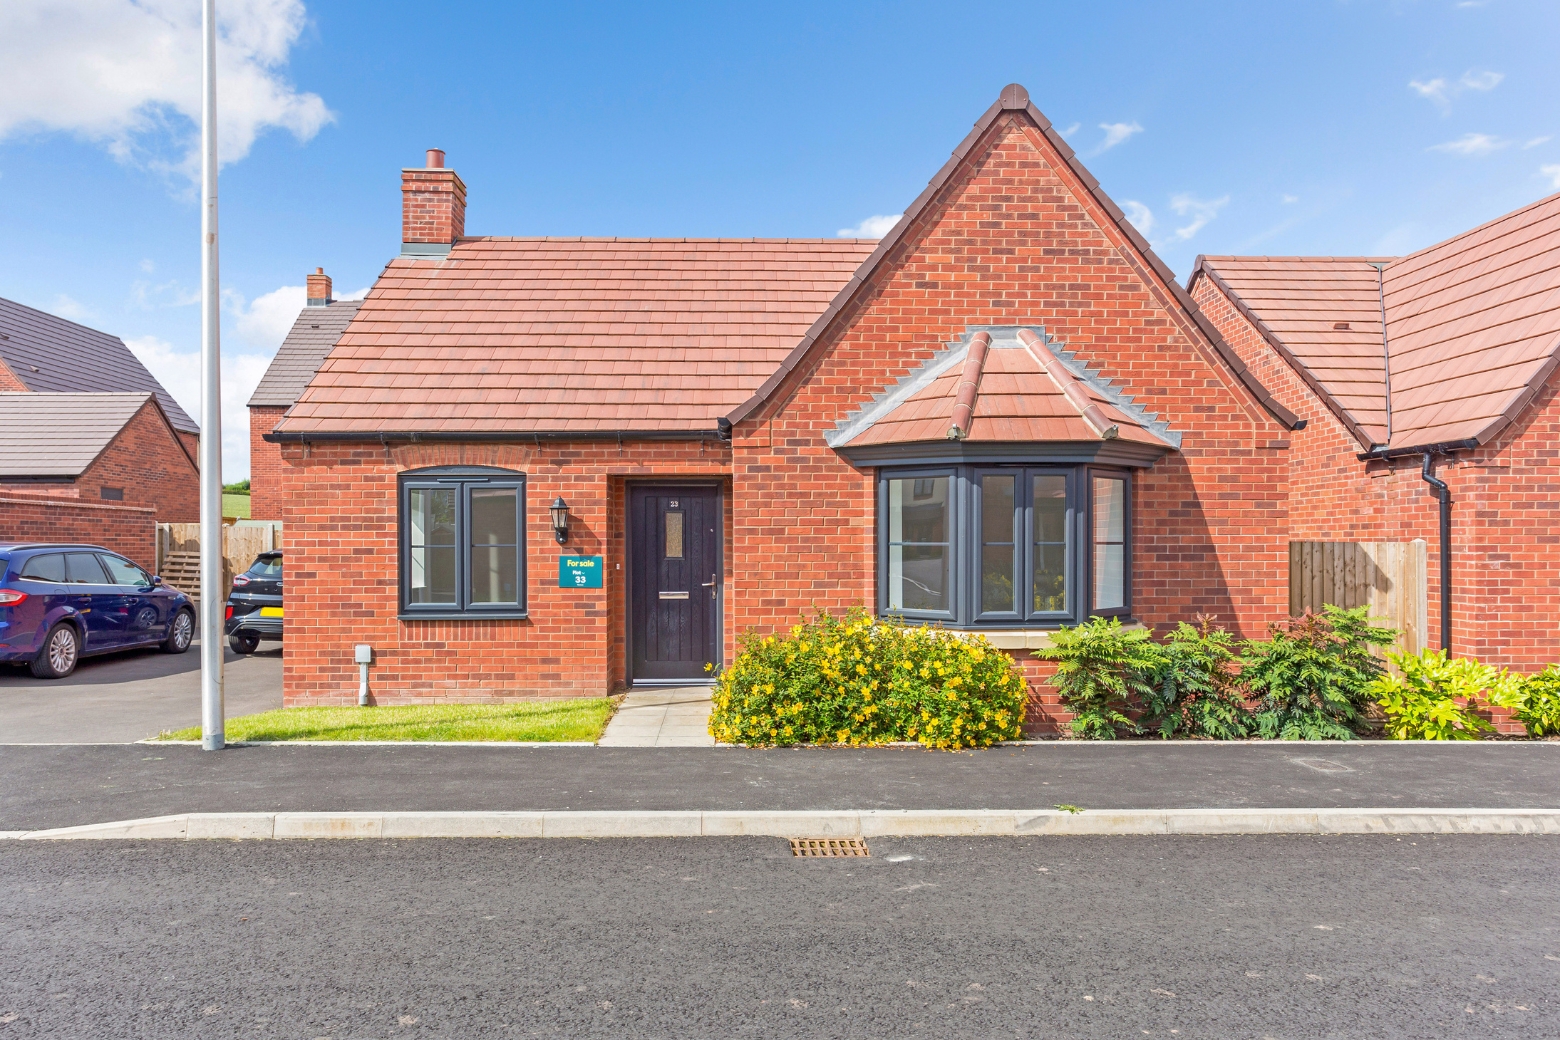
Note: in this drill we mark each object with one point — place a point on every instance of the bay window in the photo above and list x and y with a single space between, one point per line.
1005 545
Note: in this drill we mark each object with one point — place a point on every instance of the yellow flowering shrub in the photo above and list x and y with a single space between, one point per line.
858 680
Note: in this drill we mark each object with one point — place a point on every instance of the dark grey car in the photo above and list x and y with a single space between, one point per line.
254 607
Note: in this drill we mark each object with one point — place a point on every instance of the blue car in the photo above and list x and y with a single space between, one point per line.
60 603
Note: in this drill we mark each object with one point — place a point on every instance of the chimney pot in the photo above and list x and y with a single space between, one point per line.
435 158
318 294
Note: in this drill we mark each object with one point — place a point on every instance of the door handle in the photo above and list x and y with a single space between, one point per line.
710 585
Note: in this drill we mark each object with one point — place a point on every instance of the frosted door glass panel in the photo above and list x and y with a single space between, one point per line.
432 547
918 526
1110 543
494 546
1049 534
996 544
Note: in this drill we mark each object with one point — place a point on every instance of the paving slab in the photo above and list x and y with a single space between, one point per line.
661 717
44 787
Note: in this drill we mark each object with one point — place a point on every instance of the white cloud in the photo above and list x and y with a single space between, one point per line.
872 227
1199 210
1140 215
1442 91
1115 133
1286 199
69 309
1534 142
1481 80
179 373
1471 144
126 74
1552 171
265 322
1072 130
147 266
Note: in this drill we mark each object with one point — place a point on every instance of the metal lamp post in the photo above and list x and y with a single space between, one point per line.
211 591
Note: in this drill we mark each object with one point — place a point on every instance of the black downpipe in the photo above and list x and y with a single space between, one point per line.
1443 493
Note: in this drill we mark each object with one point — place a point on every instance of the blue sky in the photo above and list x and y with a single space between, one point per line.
1280 128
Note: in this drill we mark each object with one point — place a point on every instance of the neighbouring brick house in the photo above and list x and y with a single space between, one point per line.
1004 416
100 468
42 353
319 325
92 448
1458 386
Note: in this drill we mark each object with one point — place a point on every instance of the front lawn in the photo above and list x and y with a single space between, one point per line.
581 719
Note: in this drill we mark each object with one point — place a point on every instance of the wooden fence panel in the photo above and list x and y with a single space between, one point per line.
240 545
1388 577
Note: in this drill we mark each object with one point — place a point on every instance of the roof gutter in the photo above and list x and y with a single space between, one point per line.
1442 448
495 436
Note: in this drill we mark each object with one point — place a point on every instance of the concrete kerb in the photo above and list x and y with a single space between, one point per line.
870 823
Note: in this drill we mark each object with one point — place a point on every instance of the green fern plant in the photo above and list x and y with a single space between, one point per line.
1197 692
1312 676
1102 670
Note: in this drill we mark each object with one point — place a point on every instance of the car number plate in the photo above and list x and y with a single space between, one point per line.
270 611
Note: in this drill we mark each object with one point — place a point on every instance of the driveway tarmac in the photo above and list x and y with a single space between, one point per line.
125 697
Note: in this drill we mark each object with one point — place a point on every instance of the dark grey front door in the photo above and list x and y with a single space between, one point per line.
674 591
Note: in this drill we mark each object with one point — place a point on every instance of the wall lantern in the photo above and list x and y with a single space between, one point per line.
560 519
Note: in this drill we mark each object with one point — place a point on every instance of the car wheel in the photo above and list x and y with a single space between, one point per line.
61 649
243 644
180 631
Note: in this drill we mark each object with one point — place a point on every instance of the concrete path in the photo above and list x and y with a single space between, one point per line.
119 698
674 717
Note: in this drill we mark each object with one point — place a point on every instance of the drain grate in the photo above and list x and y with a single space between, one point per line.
829 847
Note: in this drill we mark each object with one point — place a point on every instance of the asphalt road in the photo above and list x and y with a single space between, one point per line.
59 786
1280 937
130 696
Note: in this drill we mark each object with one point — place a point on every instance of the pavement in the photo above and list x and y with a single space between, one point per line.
671 717
46 787
129 696
1278 937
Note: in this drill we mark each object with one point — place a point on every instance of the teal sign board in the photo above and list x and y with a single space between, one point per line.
579 572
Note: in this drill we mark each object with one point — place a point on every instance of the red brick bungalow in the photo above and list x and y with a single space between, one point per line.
1004 416
1458 388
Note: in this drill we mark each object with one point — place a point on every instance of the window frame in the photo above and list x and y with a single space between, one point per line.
955 498
966 542
461 479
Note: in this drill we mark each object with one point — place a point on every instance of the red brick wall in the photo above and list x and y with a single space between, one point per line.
1505 498
433 206
265 465
146 461
1015 239
128 530
8 380
339 506
191 442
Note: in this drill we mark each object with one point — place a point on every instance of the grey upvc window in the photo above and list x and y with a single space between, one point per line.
1014 546
462 543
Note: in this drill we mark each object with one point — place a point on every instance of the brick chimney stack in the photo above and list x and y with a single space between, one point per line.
433 208
319 288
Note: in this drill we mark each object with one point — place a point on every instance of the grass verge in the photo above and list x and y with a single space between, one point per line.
581 719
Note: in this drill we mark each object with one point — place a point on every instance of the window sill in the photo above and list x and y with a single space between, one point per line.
1026 638
507 615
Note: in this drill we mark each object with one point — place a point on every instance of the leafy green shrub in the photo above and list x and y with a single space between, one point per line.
860 680
1197 692
1102 670
1313 674
1433 698
1539 706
